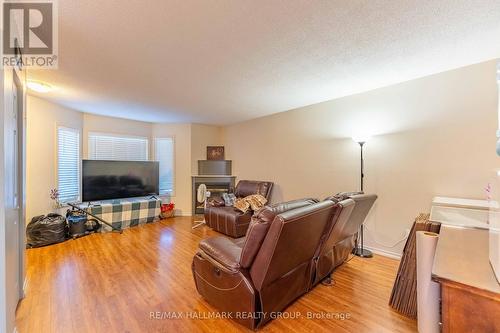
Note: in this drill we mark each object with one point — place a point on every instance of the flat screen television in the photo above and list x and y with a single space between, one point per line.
102 180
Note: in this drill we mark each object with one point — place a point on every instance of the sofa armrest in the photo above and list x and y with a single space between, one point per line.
223 250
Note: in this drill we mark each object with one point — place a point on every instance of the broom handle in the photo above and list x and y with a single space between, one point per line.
94 216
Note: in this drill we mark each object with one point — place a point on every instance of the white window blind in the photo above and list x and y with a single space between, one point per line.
68 164
114 147
164 153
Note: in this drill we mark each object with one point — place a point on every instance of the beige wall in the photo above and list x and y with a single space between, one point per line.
433 136
43 117
201 137
101 124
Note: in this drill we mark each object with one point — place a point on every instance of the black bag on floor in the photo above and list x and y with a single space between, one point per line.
45 230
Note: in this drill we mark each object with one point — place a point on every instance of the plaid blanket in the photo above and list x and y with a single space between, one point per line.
126 213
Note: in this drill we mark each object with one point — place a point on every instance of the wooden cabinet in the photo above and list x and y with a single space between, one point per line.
470 294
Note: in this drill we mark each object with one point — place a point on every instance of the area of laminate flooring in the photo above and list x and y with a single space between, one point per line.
130 282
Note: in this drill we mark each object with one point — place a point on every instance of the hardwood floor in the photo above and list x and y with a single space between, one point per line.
126 283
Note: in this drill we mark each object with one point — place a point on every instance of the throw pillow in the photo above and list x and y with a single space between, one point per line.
242 205
229 199
254 202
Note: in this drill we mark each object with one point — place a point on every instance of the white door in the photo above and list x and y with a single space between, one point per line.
12 209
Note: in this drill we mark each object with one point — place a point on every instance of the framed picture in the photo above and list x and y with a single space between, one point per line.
215 153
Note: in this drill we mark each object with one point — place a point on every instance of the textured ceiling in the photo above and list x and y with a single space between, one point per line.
226 61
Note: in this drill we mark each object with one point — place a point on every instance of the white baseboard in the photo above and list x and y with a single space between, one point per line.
183 214
385 253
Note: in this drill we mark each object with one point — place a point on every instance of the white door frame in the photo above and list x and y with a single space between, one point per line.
21 174
9 80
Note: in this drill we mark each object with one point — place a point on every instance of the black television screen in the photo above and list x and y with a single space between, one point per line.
103 180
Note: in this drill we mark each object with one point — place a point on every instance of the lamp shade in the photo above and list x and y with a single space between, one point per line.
361 138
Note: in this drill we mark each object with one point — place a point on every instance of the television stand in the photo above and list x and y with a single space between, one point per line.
128 212
96 217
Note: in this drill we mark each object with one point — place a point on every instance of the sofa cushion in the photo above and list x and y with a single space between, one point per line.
223 250
216 202
249 187
239 241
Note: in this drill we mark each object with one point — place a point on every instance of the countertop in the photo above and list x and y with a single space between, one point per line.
462 256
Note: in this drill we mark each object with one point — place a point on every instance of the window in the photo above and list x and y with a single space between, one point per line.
164 153
115 147
68 164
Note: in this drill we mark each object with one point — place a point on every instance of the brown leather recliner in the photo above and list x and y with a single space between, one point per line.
339 240
324 260
231 221
346 234
274 265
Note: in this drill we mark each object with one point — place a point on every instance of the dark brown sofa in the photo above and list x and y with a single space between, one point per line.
288 249
339 239
229 220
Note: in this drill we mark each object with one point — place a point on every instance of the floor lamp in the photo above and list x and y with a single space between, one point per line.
360 251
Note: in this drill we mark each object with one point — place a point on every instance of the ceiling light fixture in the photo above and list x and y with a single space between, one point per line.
39 86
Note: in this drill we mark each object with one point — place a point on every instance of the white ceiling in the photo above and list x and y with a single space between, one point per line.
226 61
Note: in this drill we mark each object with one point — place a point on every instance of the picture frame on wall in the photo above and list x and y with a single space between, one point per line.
215 153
